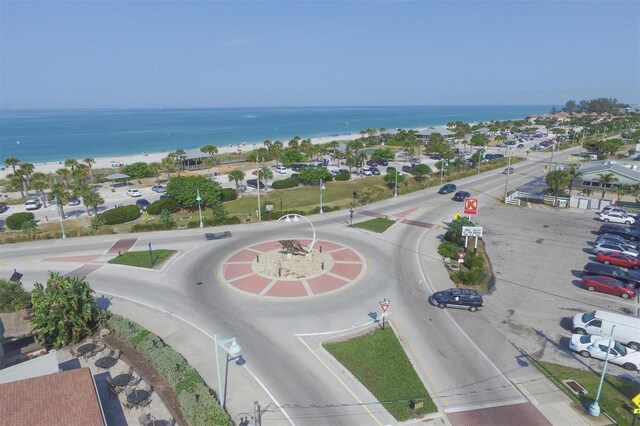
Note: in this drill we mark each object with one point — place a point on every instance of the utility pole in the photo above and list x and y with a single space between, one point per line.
256 413
258 186
506 183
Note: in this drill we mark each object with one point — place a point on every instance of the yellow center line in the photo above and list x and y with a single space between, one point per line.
417 358
340 381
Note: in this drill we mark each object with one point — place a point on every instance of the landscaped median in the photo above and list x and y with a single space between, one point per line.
142 259
376 225
379 362
197 402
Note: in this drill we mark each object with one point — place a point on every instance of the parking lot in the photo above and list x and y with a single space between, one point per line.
537 255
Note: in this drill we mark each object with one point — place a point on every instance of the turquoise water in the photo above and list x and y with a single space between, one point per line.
51 135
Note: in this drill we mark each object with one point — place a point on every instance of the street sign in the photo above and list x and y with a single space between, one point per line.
384 305
472 231
471 206
462 254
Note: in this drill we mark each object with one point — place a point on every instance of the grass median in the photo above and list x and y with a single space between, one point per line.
142 259
376 225
615 398
379 362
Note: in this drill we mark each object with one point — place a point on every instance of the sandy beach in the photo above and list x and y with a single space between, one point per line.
106 162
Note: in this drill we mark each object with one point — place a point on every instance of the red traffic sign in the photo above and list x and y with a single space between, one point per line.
462 254
384 305
471 206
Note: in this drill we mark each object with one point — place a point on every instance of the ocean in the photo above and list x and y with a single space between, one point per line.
53 135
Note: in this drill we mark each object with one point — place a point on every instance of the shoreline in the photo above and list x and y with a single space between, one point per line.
152 157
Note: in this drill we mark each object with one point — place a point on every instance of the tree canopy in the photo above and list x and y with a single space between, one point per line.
184 189
64 310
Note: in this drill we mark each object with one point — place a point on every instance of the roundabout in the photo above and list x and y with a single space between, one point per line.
266 270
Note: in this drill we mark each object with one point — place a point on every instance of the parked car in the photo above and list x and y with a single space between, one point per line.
253 183
590 346
407 168
3 207
621 231
507 171
616 217
618 259
391 169
383 163
622 210
608 285
520 145
367 172
372 163
447 189
133 192
74 201
281 169
629 277
375 171
33 204
614 248
461 195
615 239
460 298
158 187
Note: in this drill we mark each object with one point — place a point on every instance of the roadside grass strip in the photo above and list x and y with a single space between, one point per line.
142 259
379 362
376 225
615 398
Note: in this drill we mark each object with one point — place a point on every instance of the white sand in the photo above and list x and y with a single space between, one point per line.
106 162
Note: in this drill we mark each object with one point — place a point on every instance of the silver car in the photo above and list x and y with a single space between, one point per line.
614 248
614 239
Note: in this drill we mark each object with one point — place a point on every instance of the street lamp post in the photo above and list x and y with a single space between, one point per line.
395 186
258 186
234 349
293 217
443 164
506 182
64 236
594 408
198 199
322 188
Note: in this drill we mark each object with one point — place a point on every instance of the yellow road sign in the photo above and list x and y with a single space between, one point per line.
636 400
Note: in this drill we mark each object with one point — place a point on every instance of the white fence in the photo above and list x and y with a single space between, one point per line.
577 202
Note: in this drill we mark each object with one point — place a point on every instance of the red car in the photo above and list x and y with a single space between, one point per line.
607 285
618 259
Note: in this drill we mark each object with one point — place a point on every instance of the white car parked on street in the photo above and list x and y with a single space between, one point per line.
606 247
134 192
621 210
590 346
615 217
281 169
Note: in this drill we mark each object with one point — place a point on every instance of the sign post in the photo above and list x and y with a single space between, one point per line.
461 256
384 305
470 206
471 231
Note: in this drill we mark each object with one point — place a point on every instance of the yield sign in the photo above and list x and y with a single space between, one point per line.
384 305
470 206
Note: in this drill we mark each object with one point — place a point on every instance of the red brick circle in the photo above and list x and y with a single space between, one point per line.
238 271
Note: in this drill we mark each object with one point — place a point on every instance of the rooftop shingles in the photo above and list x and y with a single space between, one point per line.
68 398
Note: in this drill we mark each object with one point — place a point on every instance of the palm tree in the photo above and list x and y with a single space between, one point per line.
573 173
13 162
635 190
265 173
80 173
26 169
64 174
92 200
71 163
179 155
40 182
211 150
295 142
169 164
17 182
605 179
60 195
556 181
89 162
208 163
621 189
155 169
236 176
276 151
80 189
587 191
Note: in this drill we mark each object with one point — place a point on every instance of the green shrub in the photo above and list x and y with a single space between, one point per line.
152 226
13 297
471 277
97 222
16 220
473 261
137 170
209 221
342 176
285 183
163 203
121 214
229 194
449 249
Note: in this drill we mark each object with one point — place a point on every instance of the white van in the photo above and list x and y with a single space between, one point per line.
281 169
32 204
600 323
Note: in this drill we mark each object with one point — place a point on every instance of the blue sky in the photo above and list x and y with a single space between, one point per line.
228 54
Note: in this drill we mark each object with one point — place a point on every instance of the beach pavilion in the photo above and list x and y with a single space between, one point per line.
118 179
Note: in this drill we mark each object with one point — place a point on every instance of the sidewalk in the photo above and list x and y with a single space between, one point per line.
556 407
197 348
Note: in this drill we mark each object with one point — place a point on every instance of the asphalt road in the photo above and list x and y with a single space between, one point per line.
281 338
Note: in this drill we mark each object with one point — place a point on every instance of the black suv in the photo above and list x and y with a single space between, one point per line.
3 207
621 231
628 277
460 298
253 183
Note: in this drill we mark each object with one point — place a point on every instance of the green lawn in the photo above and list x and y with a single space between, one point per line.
616 395
379 362
376 225
142 259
